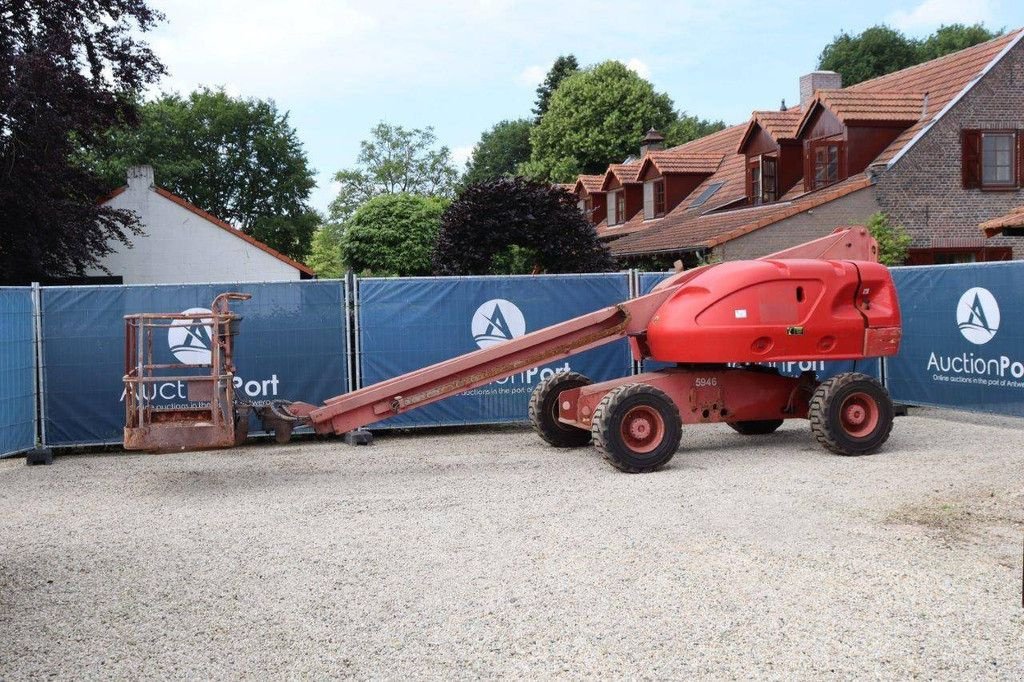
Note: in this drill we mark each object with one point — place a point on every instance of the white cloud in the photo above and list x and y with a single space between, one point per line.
461 154
641 69
932 13
531 76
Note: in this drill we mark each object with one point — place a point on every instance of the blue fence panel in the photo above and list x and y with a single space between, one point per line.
406 324
17 369
824 370
963 337
291 346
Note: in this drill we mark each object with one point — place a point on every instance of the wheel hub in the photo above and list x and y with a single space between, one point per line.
643 429
859 415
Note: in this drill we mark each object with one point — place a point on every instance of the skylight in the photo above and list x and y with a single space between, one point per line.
708 192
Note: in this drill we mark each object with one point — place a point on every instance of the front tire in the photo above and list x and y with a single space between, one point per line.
544 411
851 414
637 427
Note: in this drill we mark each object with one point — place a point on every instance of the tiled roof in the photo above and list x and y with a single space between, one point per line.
682 161
854 105
730 171
707 230
589 183
943 79
1014 218
898 97
781 125
625 173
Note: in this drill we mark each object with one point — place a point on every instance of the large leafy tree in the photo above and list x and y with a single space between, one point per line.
395 161
517 225
325 252
595 117
879 50
240 159
686 128
69 70
953 38
392 235
563 67
499 151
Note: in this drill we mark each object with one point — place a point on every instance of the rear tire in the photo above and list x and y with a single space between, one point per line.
761 427
544 411
851 414
637 427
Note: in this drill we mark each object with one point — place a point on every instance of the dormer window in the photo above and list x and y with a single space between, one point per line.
616 207
827 161
764 179
654 199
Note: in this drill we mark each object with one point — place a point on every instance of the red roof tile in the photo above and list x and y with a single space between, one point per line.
851 106
588 183
781 125
709 229
624 173
1014 218
682 161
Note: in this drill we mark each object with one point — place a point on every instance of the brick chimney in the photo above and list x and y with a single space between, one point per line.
652 141
817 80
140 178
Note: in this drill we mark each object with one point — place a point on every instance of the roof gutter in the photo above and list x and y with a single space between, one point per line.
959 96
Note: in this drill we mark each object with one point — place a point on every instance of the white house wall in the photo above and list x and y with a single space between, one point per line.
181 247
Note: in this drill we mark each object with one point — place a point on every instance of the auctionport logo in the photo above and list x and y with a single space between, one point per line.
190 340
497 321
977 315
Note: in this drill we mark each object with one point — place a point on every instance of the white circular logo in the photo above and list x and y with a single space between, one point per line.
977 315
189 340
497 321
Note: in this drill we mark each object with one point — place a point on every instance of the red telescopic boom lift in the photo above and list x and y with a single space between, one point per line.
828 299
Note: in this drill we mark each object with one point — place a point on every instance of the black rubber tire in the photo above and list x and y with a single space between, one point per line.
826 418
544 411
607 423
761 427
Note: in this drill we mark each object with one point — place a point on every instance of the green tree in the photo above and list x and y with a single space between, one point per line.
68 72
953 38
325 252
515 225
499 151
686 128
395 161
240 159
893 240
393 235
563 67
880 50
874 52
596 116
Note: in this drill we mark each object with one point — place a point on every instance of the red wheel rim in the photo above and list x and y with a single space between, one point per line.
642 429
859 415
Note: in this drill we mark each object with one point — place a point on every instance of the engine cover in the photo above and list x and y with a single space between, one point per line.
775 310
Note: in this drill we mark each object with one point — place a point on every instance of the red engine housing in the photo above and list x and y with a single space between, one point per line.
776 310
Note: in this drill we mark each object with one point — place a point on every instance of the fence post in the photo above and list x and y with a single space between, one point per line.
38 384
357 356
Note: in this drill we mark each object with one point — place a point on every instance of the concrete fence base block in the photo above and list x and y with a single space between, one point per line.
359 437
39 456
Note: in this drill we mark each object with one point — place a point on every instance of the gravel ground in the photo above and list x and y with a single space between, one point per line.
482 552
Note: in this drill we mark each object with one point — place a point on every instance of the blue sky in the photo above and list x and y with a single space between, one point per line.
340 66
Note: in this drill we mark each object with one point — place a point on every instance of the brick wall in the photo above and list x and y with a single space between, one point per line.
924 192
853 209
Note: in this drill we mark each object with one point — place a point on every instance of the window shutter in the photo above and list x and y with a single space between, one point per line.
1020 158
648 200
612 205
808 167
970 146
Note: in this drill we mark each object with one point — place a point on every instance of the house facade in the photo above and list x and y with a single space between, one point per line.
182 243
938 147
